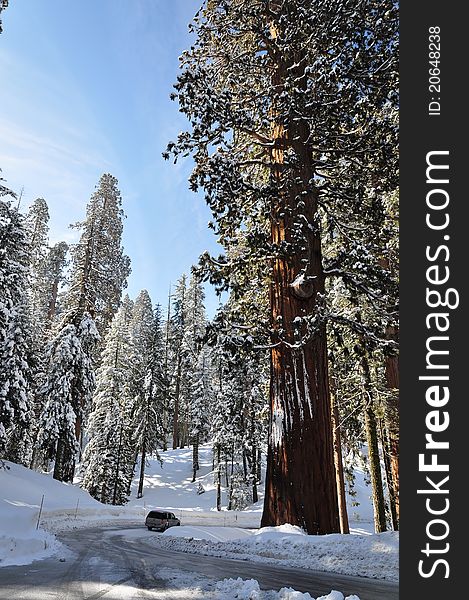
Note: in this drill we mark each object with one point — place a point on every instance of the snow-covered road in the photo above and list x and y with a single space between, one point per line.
107 563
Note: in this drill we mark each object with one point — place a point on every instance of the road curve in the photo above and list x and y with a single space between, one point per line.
104 562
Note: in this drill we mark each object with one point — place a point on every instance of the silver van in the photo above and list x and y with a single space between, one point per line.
161 520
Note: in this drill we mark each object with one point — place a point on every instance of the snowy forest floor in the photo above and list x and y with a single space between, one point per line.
203 529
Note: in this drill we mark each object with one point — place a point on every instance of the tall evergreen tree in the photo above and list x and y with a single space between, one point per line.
99 266
198 363
285 126
53 278
109 455
18 388
179 371
16 365
238 421
149 385
37 224
69 385
46 267
98 275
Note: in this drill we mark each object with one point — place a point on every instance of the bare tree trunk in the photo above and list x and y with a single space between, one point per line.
184 433
195 457
218 478
259 466
64 467
176 406
339 468
52 303
118 464
227 482
255 496
379 507
391 417
392 420
142 471
230 495
388 470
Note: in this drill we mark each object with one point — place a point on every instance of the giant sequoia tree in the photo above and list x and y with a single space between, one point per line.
287 103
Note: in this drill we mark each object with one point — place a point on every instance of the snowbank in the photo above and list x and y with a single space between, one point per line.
20 541
22 492
375 555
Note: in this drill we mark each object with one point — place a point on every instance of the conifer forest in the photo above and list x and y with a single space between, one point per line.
291 112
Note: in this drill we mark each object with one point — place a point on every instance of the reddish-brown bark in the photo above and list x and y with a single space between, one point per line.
300 483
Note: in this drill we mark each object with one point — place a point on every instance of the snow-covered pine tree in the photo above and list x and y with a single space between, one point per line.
363 298
148 383
69 384
283 126
200 404
188 370
99 266
179 369
37 223
16 364
19 387
46 267
109 456
239 417
45 275
54 277
99 271
358 374
198 363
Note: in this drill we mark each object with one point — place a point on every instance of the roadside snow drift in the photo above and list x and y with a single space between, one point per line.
375 556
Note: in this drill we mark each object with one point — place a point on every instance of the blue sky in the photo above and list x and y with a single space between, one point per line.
84 89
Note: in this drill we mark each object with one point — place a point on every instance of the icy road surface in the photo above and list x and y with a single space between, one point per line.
106 563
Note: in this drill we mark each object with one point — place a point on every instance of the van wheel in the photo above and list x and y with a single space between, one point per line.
150 528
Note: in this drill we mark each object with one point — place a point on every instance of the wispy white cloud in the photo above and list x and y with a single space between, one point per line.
61 169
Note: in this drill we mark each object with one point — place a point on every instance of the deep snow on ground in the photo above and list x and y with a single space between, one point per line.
225 533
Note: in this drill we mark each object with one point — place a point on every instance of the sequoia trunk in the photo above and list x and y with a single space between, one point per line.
300 484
